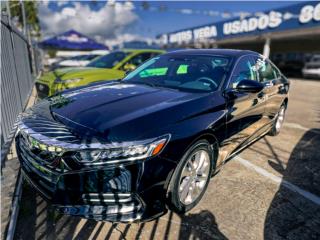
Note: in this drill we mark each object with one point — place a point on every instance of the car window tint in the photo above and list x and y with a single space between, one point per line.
109 60
243 71
276 71
151 72
91 57
187 73
265 70
139 59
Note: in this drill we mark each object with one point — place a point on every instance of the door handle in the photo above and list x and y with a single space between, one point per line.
261 95
268 84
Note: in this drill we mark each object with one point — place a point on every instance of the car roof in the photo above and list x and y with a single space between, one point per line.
226 52
142 50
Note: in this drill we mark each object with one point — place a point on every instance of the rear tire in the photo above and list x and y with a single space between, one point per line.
191 177
278 122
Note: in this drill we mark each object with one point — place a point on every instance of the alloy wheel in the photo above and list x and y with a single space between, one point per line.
194 177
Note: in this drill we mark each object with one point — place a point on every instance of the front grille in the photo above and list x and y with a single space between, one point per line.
103 198
312 66
42 89
126 208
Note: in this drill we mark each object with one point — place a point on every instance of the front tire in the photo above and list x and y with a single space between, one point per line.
191 177
275 130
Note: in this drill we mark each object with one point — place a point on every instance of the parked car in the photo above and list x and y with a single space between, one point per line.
108 67
75 61
129 150
291 63
312 68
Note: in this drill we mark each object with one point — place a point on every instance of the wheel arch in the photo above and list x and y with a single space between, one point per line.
213 141
214 145
211 138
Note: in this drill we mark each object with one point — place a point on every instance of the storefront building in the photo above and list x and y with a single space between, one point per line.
293 29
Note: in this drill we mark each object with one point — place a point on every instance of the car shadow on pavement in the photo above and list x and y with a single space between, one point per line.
293 215
201 225
38 220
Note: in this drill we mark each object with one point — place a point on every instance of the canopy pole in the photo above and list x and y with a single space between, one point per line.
266 47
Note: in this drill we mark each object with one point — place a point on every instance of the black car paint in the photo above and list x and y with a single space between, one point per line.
115 112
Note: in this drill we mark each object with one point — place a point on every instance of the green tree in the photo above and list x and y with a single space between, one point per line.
31 11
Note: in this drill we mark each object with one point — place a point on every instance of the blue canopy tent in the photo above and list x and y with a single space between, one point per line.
71 40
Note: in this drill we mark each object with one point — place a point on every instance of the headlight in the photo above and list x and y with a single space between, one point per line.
115 154
33 143
71 80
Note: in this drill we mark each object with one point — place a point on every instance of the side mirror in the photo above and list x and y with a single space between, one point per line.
249 86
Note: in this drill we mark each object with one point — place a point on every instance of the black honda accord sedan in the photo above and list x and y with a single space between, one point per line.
129 150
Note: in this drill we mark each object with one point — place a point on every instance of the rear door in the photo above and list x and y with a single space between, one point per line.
270 77
246 110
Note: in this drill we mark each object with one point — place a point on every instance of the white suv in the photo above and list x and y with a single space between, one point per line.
312 68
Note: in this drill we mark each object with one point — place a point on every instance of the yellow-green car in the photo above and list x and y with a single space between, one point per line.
108 67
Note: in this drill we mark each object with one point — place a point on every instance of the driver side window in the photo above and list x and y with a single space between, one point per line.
136 61
243 71
139 59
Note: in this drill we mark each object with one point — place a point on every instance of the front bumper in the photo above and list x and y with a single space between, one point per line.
111 207
122 193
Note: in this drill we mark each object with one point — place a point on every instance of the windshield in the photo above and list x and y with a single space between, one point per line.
83 57
109 60
187 73
315 59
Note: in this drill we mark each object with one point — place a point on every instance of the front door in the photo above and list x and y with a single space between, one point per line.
246 110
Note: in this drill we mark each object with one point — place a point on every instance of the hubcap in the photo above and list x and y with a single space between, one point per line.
280 119
194 177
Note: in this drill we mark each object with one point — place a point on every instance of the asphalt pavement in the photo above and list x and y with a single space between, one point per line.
269 191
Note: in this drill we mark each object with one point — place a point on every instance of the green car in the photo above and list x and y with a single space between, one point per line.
108 67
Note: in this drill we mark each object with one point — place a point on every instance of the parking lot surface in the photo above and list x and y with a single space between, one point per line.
269 191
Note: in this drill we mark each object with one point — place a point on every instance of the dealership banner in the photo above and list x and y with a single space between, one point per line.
302 15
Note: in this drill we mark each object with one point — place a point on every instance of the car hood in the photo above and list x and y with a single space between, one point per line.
125 112
83 72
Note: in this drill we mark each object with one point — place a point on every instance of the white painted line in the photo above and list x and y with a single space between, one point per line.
298 126
312 197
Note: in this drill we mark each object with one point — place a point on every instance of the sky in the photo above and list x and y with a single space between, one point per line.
116 21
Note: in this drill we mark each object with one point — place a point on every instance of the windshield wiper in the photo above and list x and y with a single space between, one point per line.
145 83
